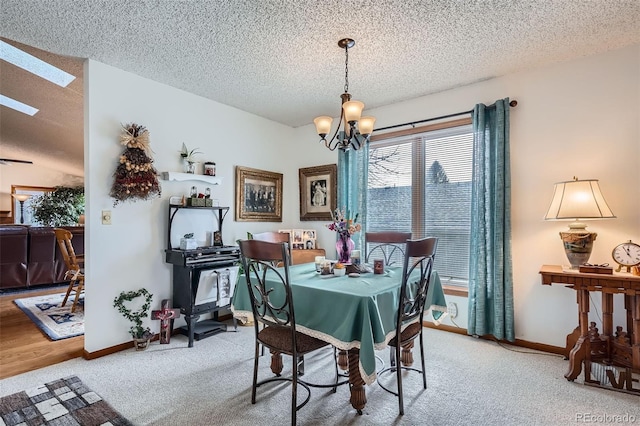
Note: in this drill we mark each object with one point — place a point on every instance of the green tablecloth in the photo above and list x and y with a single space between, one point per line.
347 312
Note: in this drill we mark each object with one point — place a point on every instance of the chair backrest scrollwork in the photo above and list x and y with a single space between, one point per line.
416 276
386 245
268 284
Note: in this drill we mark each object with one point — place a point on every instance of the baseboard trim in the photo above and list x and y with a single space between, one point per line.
111 349
518 342
443 327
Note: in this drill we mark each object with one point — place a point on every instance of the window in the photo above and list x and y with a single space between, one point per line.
420 181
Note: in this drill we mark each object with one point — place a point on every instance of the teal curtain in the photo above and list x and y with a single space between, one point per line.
490 270
353 173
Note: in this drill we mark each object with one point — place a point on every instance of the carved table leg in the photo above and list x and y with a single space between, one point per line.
276 363
356 384
635 331
572 338
607 321
578 353
343 360
628 306
406 356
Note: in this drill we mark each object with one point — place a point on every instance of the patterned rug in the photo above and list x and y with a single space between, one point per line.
62 402
57 322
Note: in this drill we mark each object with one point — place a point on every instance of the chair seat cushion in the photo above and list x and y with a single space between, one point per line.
408 333
280 339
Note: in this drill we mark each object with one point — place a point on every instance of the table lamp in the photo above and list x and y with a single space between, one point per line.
577 200
21 198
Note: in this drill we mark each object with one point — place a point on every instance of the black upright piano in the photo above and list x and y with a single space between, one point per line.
203 280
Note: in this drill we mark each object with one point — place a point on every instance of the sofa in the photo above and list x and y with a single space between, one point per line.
29 255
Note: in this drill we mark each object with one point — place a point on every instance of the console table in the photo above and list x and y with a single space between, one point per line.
622 348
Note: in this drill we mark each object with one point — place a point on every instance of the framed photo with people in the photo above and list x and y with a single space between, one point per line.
318 192
258 195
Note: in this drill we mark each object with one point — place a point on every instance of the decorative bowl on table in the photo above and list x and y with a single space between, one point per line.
339 269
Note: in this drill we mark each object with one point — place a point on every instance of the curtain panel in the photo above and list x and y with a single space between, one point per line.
353 175
490 266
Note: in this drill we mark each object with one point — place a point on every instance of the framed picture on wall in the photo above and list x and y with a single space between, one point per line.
258 195
318 192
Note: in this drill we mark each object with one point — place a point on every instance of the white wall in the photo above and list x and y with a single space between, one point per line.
579 118
128 254
576 118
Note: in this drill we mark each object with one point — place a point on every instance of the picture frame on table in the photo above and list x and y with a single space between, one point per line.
258 195
296 236
318 191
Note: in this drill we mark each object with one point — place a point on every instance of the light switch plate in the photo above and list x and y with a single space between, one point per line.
106 217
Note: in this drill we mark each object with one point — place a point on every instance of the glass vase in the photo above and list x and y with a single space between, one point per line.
189 166
344 247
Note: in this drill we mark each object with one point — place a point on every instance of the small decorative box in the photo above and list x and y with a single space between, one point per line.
199 202
188 244
596 269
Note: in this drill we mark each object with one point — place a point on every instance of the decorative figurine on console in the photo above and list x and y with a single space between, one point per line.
188 242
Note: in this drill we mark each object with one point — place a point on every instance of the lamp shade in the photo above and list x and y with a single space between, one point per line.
365 125
21 197
578 199
323 125
352 110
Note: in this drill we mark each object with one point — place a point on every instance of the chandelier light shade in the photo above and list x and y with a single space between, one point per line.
576 200
353 130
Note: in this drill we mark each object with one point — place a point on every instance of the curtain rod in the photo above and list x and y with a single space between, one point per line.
513 103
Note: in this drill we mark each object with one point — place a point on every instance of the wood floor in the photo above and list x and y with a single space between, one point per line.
23 347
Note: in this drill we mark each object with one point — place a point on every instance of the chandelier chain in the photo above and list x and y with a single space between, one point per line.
346 69
353 131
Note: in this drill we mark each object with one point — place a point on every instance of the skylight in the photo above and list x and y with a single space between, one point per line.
34 65
17 105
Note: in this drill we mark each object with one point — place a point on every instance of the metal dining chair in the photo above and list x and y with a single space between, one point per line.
416 276
275 237
386 245
272 306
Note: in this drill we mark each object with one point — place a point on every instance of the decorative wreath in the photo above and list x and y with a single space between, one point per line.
135 176
136 330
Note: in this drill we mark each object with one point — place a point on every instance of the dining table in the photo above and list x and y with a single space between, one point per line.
356 313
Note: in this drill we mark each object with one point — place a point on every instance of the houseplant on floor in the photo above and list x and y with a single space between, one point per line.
141 335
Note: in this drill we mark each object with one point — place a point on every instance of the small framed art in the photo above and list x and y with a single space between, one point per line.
318 192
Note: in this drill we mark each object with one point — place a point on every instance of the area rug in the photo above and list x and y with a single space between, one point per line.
66 401
56 321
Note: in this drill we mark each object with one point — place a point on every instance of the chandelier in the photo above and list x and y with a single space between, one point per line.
355 130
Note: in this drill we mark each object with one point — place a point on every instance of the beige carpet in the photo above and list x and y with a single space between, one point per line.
470 381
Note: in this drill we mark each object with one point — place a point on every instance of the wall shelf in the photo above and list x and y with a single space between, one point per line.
212 180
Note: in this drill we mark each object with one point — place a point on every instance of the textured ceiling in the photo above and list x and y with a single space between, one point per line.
279 58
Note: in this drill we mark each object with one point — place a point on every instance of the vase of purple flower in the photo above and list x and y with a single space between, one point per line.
345 228
344 247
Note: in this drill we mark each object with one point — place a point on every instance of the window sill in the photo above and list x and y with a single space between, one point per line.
452 290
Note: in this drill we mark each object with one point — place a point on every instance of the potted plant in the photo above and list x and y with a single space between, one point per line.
60 207
141 335
188 157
